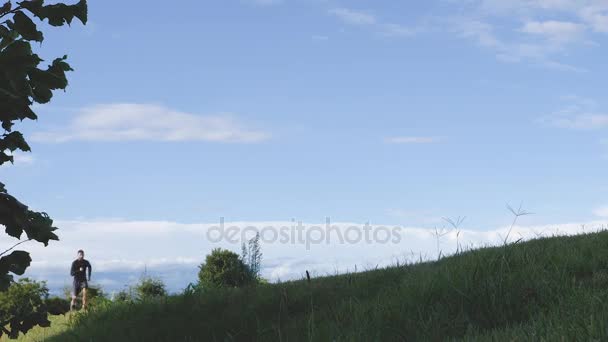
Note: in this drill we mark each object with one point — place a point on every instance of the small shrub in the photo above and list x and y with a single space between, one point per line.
123 296
57 305
223 268
149 288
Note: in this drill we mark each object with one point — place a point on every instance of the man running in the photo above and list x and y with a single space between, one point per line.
78 271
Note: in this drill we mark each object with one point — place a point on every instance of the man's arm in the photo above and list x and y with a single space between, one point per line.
90 269
73 269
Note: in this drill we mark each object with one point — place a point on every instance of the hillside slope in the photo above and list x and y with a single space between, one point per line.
546 289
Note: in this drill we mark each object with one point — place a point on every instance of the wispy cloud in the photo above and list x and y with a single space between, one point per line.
522 37
353 17
582 121
579 113
132 121
556 31
596 16
367 19
541 41
591 13
411 140
23 158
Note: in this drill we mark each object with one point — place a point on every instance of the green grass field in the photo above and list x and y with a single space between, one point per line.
549 289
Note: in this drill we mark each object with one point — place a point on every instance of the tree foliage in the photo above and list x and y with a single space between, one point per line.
149 288
22 84
23 306
223 268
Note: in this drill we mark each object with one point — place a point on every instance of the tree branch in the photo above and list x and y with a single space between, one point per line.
8 250
13 11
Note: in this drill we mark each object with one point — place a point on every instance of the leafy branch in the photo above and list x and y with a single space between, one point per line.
22 84
14 246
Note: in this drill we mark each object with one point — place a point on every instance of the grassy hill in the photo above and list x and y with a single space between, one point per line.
553 289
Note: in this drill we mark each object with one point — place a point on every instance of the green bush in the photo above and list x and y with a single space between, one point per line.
149 288
22 306
123 296
57 305
223 268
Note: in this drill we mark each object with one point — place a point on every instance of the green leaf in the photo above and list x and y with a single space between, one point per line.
16 50
60 64
39 226
6 7
14 141
8 93
26 27
16 262
8 36
12 212
52 78
33 6
5 281
5 158
4 32
57 14
29 113
42 94
7 125
81 11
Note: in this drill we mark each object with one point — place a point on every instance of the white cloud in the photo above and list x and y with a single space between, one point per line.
354 17
601 212
582 121
554 30
596 16
546 39
591 13
411 140
361 18
479 31
533 31
175 249
132 121
23 158
527 6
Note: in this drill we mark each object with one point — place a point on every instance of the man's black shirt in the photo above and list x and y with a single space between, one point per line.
77 273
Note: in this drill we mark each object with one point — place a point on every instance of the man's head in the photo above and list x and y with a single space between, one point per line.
80 254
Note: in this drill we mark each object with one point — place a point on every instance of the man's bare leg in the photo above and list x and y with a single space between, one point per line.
84 298
73 303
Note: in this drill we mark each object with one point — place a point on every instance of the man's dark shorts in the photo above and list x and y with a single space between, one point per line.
78 285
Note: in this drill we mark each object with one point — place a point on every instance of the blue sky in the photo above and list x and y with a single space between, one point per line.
392 112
